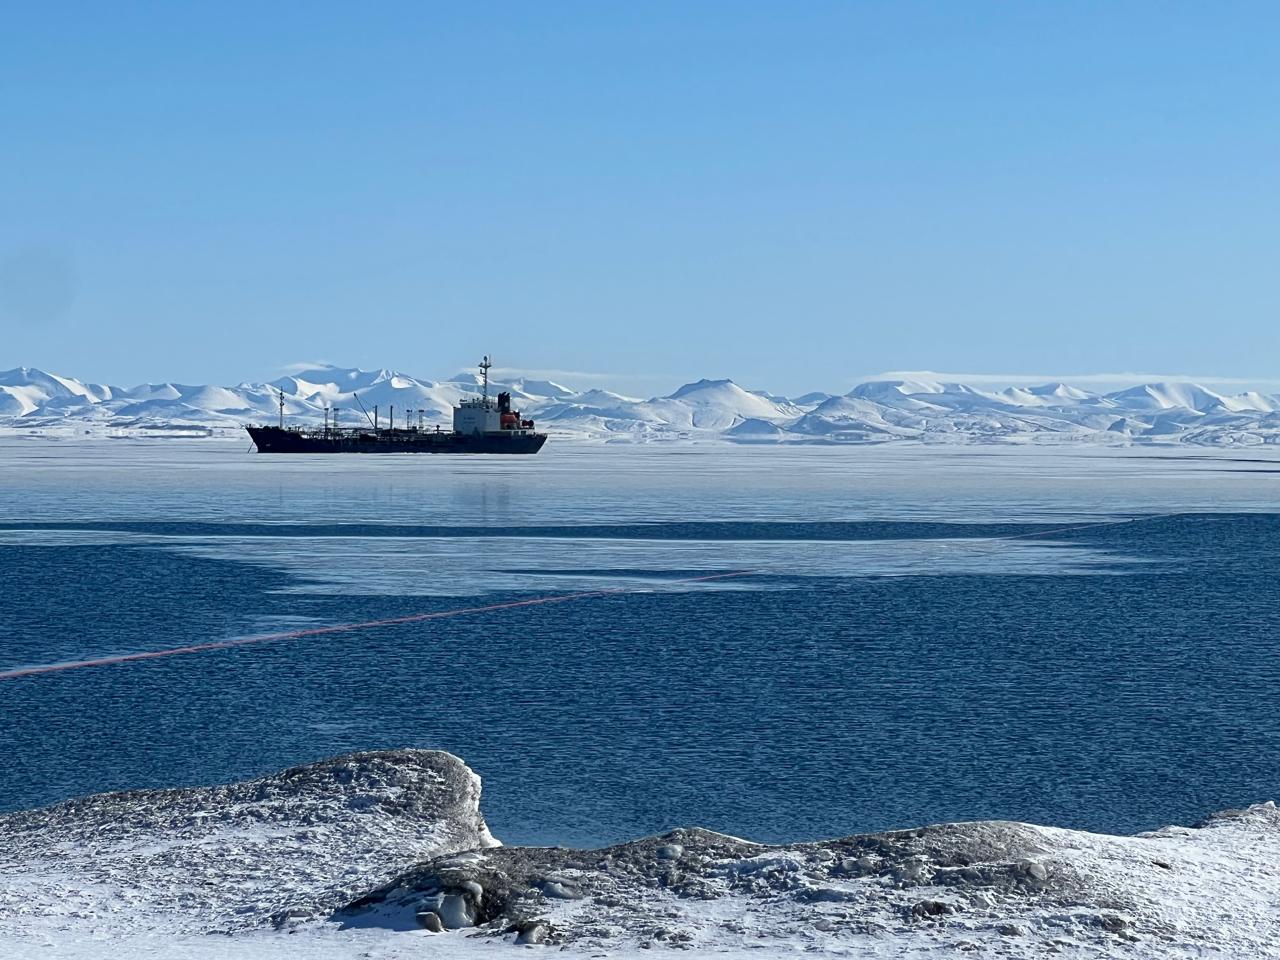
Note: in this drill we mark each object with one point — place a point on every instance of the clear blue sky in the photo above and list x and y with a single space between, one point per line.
794 194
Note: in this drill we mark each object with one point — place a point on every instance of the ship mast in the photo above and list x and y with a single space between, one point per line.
484 373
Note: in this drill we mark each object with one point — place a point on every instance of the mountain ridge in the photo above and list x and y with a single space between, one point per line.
918 409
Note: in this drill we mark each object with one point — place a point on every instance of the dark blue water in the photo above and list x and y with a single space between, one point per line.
1126 678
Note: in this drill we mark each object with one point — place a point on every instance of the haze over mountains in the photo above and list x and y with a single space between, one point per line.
32 400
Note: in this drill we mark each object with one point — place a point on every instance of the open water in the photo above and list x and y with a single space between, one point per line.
1086 638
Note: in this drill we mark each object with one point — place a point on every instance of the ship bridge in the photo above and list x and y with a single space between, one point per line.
485 415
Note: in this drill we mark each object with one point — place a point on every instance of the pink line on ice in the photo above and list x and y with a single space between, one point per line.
336 628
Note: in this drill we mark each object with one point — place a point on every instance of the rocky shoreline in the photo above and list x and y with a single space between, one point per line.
392 845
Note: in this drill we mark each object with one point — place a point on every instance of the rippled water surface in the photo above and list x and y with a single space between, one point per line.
911 634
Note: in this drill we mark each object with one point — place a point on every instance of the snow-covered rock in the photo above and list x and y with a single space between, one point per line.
1013 889
206 859
386 855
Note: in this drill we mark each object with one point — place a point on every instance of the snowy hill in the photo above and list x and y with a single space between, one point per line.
716 405
1045 395
920 410
25 390
386 855
1169 396
214 859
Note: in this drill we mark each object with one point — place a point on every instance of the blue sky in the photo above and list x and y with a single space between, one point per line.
796 195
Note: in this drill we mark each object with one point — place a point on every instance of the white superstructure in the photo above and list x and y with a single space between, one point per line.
477 415
481 415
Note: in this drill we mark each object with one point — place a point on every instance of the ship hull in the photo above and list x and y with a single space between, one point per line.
277 440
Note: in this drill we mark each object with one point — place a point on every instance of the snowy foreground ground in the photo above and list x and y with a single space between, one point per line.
366 855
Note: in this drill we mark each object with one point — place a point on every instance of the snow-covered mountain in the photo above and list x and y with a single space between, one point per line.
921 410
26 390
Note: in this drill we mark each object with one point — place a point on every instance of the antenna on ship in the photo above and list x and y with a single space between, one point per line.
484 372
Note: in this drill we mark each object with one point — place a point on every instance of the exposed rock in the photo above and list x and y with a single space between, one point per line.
1113 922
1036 871
931 908
971 886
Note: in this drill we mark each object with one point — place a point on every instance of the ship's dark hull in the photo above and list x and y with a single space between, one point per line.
276 440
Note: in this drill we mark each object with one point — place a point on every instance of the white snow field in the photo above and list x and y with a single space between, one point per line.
385 855
929 411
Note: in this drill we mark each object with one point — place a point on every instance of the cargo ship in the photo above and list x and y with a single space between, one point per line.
480 425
